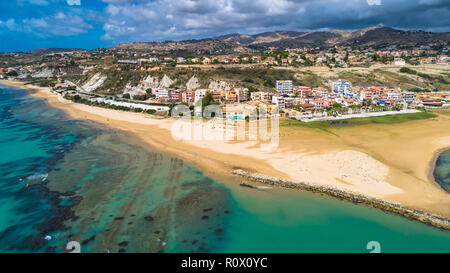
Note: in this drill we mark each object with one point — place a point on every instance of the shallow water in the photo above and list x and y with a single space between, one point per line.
111 193
442 170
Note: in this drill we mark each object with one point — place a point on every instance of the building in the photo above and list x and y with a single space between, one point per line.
399 61
199 94
284 87
302 91
342 87
395 96
187 96
242 94
175 94
161 92
260 96
409 96
278 101
319 104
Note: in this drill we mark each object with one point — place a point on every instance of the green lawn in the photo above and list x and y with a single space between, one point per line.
388 119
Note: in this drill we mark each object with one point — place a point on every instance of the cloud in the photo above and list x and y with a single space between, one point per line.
33 2
129 20
58 24
74 2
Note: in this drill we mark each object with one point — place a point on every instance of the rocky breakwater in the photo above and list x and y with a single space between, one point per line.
428 218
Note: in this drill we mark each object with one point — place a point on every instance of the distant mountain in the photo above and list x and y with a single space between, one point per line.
376 35
41 51
203 46
241 43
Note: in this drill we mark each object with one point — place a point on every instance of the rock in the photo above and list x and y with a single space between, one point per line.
148 218
94 83
192 84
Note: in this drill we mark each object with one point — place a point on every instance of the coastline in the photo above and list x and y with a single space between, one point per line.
220 161
432 167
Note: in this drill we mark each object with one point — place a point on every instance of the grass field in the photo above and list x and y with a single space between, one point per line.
388 119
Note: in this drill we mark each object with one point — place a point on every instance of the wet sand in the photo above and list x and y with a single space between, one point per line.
387 161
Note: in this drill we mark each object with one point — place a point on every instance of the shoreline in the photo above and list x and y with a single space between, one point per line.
433 167
219 162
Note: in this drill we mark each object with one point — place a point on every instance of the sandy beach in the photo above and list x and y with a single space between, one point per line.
392 162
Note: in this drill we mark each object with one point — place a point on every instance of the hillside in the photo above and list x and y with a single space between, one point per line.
115 81
205 46
242 43
376 35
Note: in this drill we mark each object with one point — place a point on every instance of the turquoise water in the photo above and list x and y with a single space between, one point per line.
442 170
80 181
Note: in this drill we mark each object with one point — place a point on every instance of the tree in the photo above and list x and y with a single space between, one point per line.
12 73
208 99
126 96
337 105
76 98
251 88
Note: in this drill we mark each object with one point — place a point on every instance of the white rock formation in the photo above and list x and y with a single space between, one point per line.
219 85
95 82
45 73
165 82
148 82
192 84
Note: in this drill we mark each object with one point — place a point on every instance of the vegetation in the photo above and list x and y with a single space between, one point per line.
388 119
408 70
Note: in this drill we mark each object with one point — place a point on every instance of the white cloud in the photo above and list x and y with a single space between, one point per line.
74 2
59 24
173 19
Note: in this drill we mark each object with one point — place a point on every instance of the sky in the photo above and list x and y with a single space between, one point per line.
30 24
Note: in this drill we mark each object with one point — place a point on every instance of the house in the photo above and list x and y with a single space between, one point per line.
271 60
206 60
307 107
256 59
319 104
399 61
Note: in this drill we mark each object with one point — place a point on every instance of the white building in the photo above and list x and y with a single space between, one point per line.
284 87
409 96
342 87
397 96
161 92
260 96
199 94
399 61
278 101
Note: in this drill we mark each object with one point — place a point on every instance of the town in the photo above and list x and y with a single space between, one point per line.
306 83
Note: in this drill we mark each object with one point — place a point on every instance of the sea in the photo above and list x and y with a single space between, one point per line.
75 185
442 170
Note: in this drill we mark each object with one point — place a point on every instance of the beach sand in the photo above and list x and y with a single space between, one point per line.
387 161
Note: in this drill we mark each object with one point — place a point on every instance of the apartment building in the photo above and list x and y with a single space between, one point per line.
284 87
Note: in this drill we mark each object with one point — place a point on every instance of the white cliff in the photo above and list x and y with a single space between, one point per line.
94 83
